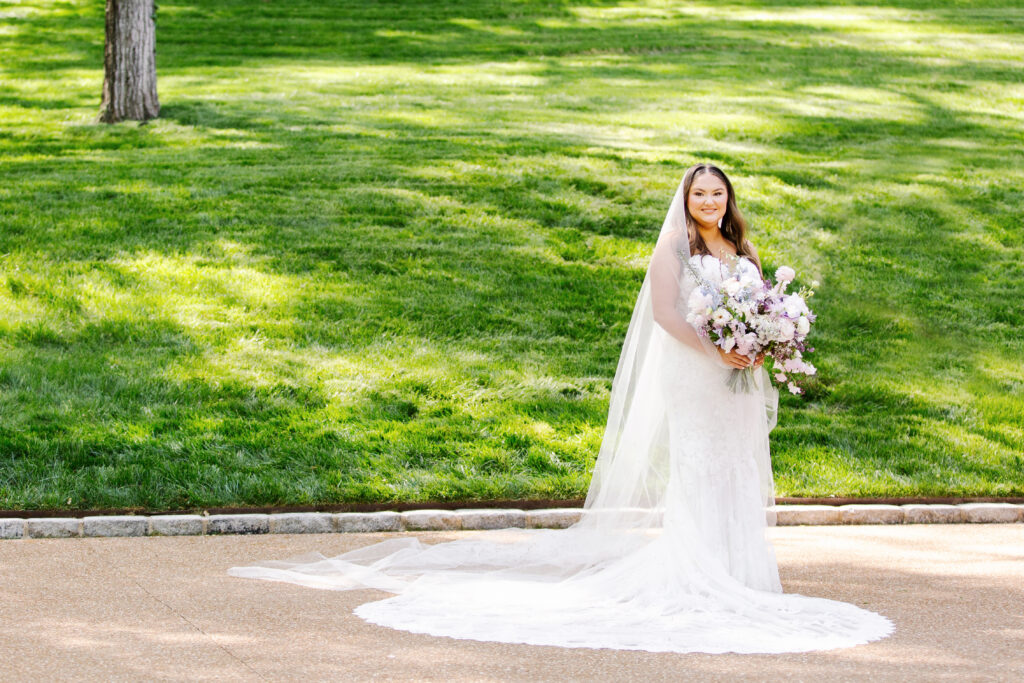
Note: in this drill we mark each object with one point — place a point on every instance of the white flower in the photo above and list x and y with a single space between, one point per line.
732 286
698 300
794 389
795 305
785 274
728 343
721 316
803 325
787 330
780 377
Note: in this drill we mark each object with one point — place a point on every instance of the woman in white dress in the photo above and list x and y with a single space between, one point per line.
670 554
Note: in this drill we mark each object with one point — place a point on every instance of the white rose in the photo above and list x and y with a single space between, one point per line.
803 325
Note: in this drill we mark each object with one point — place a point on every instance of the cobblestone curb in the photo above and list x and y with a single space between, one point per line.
469 519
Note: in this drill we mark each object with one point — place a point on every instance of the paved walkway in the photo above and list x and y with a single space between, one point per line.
162 608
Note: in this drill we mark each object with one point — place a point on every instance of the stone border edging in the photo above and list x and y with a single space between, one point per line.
527 504
465 519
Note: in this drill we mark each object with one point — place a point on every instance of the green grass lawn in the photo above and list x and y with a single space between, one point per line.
387 251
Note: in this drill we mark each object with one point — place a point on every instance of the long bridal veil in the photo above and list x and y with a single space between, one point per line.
669 554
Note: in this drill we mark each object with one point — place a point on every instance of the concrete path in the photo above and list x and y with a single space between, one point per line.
162 608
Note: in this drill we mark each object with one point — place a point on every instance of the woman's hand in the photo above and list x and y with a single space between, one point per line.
737 360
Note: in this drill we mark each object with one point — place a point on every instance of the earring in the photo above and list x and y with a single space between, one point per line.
720 223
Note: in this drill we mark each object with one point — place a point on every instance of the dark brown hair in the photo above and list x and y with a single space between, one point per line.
734 228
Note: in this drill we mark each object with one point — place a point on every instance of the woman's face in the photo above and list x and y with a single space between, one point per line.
707 200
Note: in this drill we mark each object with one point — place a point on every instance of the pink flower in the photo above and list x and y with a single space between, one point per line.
785 274
745 345
793 365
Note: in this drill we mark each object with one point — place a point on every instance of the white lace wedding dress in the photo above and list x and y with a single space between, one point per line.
670 554
706 581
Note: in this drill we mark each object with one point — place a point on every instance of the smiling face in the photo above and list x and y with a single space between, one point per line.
707 200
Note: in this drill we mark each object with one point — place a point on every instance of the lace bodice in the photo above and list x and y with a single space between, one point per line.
714 270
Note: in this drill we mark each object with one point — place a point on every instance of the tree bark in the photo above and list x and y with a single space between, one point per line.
129 63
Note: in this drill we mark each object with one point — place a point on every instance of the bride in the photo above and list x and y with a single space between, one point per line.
670 554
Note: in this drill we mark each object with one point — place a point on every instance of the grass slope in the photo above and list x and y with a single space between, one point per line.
388 251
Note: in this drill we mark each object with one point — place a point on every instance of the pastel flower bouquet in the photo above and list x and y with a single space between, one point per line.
753 317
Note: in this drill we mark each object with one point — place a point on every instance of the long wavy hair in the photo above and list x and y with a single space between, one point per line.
734 228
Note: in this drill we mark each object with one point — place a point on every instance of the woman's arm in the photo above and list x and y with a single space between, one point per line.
665 271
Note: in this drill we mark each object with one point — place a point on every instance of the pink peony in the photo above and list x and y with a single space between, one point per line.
746 344
785 274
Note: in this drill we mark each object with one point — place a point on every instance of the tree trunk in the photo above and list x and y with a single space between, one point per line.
129 62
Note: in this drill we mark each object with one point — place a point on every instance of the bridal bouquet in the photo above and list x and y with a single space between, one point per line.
754 317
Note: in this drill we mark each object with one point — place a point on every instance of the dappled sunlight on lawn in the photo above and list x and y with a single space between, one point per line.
368 253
